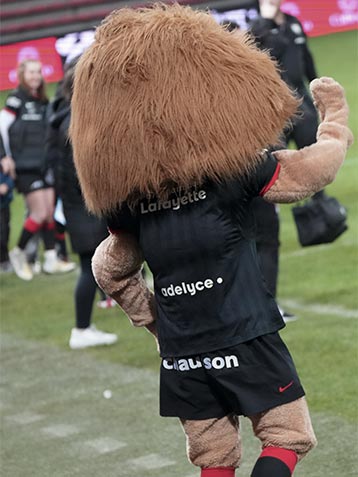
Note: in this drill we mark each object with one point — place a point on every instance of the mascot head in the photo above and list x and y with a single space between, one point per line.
165 98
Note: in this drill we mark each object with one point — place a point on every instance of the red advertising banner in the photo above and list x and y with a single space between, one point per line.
321 17
43 50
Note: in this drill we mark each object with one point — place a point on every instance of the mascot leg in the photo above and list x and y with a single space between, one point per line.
214 445
286 435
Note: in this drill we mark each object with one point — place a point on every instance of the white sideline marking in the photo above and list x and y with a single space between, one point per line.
25 418
318 248
104 445
350 161
61 430
149 462
321 309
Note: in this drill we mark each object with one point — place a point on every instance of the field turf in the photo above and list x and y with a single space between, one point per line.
54 418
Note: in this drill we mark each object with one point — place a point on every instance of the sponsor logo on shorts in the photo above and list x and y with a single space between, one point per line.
37 184
188 364
282 389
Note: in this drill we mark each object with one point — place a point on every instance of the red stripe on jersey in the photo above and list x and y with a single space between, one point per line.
272 181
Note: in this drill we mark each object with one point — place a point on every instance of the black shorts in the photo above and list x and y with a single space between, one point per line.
244 380
27 182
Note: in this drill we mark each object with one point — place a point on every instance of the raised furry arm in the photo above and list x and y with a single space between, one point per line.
116 266
308 170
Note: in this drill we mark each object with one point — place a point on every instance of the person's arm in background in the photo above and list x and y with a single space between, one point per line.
7 163
7 117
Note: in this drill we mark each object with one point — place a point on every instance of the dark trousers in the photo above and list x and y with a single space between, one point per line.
4 233
267 241
303 132
85 292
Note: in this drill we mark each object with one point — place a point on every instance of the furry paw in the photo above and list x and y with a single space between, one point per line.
328 95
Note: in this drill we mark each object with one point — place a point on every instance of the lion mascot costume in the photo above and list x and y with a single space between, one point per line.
173 118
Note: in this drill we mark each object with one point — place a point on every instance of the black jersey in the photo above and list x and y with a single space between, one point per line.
27 133
288 45
200 247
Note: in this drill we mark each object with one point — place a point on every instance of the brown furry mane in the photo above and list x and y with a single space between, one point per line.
167 96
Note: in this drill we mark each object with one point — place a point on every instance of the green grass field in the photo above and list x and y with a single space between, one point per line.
54 418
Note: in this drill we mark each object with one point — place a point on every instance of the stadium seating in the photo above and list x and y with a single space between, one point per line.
23 20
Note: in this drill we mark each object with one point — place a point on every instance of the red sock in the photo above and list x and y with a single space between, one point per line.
218 472
31 226
49 225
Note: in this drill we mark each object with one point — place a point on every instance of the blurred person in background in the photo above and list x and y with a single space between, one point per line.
6 195
22 127
283 36
85 230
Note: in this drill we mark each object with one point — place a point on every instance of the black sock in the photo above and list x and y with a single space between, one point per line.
60 241
270 467
48 235
29 230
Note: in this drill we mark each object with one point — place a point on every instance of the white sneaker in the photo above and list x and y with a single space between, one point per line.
36 267
53 264
90 337
19 264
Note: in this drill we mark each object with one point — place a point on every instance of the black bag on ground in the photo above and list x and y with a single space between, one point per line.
319 220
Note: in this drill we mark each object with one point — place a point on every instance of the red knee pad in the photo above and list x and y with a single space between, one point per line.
218 472
286 456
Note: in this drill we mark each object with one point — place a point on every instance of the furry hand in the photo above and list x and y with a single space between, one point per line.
116 266
330 101
308 170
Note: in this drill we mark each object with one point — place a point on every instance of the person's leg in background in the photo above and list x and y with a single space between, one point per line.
60 241
52 264
214 445
85 334
268 245
267 241
5 266
40 206
105 302
37 214
286 435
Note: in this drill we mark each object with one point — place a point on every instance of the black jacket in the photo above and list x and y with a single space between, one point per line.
85 231
287 43
27 133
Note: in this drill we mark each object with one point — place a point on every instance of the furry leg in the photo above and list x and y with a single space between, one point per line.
286 435
214 445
